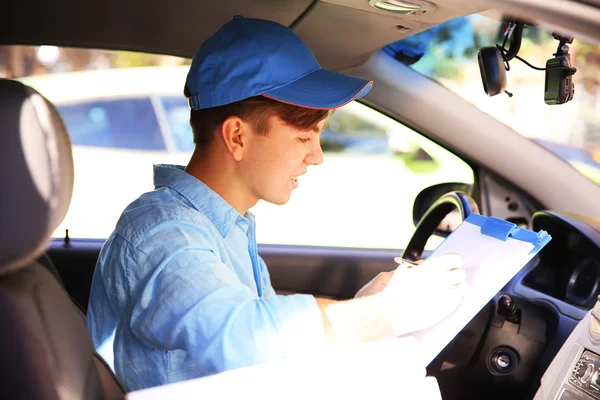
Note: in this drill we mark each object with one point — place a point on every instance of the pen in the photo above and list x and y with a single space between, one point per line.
403 263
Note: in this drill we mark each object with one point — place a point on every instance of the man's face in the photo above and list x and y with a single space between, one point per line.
273 163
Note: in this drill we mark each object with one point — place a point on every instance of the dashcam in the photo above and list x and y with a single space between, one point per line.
494 62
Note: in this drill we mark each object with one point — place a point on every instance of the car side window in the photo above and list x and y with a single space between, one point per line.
128 123
177 113
349 131
363 194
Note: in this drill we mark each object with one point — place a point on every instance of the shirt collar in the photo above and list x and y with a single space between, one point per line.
203 198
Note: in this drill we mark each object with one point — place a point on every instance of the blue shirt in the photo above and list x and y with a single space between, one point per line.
180 292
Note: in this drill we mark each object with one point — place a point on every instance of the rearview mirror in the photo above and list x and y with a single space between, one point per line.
430 195
493 73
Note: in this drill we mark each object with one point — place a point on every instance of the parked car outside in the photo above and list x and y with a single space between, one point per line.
131 118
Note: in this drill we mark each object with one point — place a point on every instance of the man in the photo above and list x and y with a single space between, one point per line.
180 284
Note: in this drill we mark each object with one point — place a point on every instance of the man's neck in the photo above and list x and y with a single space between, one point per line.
219 174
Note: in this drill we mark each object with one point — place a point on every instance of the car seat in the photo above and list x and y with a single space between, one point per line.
45 346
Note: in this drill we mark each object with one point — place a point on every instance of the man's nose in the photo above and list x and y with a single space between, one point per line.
315 156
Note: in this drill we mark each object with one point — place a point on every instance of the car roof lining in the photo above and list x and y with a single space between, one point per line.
179 28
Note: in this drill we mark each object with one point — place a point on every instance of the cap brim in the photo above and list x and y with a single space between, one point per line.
321 89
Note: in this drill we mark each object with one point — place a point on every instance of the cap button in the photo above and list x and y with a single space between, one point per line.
238 16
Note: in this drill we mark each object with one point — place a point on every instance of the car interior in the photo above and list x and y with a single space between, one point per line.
538 338
39 316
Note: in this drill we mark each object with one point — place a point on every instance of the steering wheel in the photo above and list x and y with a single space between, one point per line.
465 205
433 216
479 339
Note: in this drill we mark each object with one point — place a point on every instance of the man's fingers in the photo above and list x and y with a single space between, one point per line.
447 262
400 260
384 277
449 305
457 276
461 289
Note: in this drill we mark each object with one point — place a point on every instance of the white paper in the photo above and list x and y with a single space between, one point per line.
490 264
381 370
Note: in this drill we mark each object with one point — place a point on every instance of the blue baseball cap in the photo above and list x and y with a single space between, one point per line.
252 57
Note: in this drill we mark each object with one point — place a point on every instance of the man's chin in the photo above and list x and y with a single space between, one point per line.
279 200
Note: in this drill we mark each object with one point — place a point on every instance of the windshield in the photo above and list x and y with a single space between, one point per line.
447 54
125 112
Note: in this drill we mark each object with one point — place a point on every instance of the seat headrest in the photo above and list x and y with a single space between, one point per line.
36 174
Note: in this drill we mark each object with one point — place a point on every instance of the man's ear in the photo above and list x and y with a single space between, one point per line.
234 133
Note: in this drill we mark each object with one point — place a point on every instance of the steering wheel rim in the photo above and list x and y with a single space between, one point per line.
431 219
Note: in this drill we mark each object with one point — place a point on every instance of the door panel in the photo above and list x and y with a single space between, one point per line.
75 264
325 272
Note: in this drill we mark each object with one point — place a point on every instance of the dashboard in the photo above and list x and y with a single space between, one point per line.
548 344
568 268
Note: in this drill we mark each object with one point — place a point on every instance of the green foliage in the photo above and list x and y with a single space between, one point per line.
332 146
586 53
353 125
418 161
449 68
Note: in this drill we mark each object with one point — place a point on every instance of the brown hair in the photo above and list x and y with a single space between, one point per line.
257 110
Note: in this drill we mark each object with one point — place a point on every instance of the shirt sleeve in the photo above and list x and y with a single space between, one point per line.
268 289
194 302
101 318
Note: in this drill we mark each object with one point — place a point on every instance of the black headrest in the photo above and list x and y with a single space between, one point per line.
36 174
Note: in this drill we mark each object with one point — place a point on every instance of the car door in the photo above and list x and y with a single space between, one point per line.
347 221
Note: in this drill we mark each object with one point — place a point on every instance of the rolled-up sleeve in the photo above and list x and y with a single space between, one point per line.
195 302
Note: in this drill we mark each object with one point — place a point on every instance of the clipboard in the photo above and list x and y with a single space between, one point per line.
493 252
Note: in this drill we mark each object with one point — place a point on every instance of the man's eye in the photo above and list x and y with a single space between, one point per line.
303 140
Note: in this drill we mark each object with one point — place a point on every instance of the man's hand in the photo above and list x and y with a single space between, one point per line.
398 302
379 283
421 296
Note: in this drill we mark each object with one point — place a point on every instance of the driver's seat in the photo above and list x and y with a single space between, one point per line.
45 346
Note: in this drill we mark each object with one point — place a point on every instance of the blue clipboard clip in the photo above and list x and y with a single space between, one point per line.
498 228
503 230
